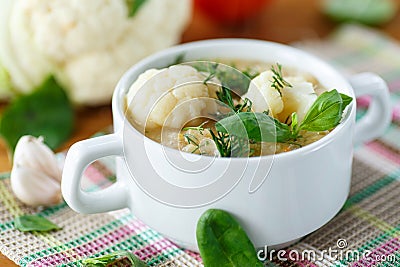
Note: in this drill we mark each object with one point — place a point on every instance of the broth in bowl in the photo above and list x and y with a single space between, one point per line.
233 108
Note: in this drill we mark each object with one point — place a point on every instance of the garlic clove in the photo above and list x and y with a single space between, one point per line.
34 187
31 152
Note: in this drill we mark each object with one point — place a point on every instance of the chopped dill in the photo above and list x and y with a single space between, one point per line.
222 142
250 73
278 82
224 95
245 106
199 128
212 70
190 139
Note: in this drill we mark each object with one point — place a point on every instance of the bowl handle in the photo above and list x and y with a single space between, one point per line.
378 117
79 156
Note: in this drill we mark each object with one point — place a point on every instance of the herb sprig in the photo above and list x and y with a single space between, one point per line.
199 128
238 81
324 114
222 141
109 259
278 82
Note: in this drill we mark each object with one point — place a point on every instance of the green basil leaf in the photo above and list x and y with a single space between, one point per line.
254 126
107 260
325 113
346 100
46 112
27 223
134 6
223 242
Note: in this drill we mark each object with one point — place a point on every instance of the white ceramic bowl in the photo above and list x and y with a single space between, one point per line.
277 199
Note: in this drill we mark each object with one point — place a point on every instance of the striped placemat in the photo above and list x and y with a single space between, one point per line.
369 221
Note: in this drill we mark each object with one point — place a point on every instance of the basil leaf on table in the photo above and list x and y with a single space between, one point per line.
223 242
46 112
134 6
27 223
106 260
258 127
326 112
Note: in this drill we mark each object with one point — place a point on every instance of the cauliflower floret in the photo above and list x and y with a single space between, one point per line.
87 45
170 97
7 53
64 29
269 99
297 98
197 142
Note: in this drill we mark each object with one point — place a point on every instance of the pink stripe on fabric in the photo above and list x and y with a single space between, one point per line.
375 256
89 248
363 101
94 175
154 249
194 255
394 86
378 148
396 112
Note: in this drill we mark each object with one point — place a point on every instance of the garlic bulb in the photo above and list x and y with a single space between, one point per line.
36 174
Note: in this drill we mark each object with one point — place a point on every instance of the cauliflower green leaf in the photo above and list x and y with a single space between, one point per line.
5 83
46 112
134 6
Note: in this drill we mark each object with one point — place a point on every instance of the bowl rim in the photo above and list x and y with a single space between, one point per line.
119 92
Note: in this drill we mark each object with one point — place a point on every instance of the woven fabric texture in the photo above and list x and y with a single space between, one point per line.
369 221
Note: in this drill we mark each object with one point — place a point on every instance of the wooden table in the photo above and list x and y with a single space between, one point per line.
283 21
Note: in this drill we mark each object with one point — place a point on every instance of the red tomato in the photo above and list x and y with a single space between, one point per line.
230 11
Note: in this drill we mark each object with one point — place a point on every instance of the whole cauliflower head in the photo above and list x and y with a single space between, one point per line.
87 44
169 97
297 98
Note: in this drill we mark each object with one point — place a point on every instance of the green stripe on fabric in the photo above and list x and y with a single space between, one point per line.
131 244
5 175
6 226
390 260
391 136
74 243
135 243
164 256
360 113
371 244
370 190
